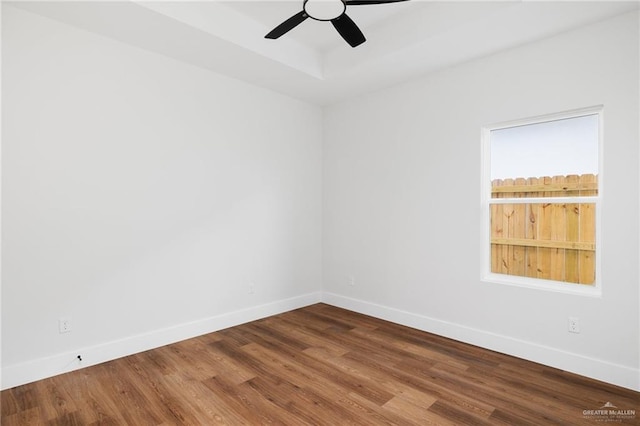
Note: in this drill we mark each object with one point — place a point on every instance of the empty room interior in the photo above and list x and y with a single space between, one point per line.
320 212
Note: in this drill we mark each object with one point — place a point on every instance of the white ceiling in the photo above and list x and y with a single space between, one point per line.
312 62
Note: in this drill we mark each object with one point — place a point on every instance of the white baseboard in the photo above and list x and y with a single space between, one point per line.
19 374
605 371
30 371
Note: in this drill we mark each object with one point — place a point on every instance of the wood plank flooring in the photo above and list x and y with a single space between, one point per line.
318 365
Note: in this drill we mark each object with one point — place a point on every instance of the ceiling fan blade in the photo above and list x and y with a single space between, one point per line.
287 25
348 30
364 2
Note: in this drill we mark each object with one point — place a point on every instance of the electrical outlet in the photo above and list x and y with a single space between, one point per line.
252 288
64 324
352 280
574 325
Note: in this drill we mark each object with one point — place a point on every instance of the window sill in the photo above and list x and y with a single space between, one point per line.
544 285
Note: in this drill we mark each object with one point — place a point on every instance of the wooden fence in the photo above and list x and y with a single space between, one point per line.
554 241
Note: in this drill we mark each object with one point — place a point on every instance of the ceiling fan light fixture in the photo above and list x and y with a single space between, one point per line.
328 10
324 10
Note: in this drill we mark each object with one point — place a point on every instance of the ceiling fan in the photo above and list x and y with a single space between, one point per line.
329 10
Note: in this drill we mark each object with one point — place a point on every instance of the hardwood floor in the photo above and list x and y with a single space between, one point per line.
318 365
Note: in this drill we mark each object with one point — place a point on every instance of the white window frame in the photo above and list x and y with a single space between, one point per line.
487 276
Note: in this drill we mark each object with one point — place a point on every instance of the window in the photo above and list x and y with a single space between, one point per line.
541 201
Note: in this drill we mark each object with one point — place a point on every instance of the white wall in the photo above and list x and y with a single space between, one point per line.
402 201
141 197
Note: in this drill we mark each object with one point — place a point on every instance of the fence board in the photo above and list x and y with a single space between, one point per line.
531 232
507 226
563 245
519 224
544 233
571 268
558 232
496 232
